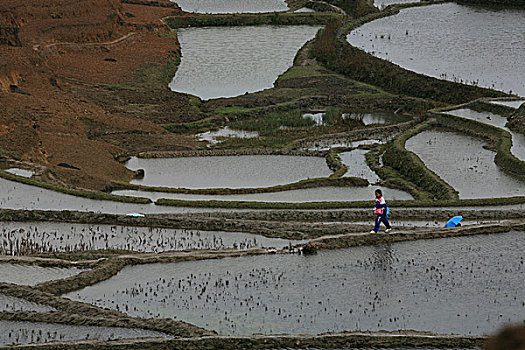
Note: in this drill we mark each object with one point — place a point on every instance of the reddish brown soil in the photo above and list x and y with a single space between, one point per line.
73 57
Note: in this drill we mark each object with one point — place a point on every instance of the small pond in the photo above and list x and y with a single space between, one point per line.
227 61
218 136
318 194
462 162
32 237
29 275
232 6
228 171
36 332
11 304
518 139
462 285
435 39
20 172
356 162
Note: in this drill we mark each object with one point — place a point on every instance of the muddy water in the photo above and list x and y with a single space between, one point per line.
518 139
321 194
33 237
218 136
464 285
230 172
36 332
29 275
462 162
227 61
232 6
356 163
10 304
435 40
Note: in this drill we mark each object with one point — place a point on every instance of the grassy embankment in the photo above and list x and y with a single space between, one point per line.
332 50
500 140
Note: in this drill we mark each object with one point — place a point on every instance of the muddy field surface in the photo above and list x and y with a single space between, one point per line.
467 285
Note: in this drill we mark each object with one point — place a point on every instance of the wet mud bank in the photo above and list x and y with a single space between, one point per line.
362 340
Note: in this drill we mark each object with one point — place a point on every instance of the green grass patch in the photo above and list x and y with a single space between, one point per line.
249 19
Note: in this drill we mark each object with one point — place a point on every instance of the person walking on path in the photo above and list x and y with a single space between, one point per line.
380 210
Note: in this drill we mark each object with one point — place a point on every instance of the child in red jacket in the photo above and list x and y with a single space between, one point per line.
380 211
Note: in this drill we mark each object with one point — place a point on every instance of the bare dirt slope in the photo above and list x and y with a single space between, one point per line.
84 81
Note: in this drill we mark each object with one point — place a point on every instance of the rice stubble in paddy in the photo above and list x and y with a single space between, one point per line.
463 285
46 237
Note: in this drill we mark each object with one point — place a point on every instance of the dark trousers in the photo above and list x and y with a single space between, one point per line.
381 219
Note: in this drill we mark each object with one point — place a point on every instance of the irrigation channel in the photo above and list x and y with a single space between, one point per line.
234 245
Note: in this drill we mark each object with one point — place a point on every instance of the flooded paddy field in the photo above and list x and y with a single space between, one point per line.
37 237
226 61
35 332
30 275
10 304
327 145
228 171
463 285
376 118
518 139
232 6
462 162
15 195
437 47
356 164
317 194
367 119
218 136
